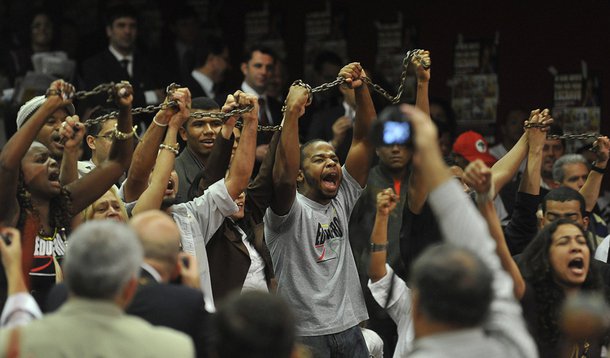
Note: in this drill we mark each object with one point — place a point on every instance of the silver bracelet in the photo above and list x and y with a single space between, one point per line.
174 149
159 124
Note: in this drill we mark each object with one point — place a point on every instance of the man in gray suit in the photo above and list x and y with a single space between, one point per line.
101 273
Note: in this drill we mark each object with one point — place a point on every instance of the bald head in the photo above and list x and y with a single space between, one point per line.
160 237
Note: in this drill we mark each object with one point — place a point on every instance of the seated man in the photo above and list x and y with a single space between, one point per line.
101 272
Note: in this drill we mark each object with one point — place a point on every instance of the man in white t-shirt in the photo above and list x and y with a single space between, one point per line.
307 232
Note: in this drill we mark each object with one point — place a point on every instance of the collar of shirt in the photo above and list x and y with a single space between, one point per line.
205 82
151 270
246 88
195 158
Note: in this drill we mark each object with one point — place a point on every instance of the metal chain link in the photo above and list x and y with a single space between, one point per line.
576 136
107 87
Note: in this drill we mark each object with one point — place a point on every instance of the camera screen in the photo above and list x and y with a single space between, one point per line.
396 132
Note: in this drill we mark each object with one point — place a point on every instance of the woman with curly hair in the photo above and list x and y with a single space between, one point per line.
557 263
32 196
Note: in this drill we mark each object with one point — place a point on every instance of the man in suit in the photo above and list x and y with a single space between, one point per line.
122 61
211 63
101 274
257 67
180 307
160 303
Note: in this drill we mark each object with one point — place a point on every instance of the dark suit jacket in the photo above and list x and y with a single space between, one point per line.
228 256
104 68
174 306
195 88
322 128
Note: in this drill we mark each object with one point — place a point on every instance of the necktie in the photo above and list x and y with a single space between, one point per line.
125 65
262 115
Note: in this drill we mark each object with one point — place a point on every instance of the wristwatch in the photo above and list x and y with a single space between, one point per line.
595 168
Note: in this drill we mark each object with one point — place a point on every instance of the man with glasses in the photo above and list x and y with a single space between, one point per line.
99 140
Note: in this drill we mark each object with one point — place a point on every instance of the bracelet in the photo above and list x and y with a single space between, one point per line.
379 247
118 135
159 124
595 168
174 149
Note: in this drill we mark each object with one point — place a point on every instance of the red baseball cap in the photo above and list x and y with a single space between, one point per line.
471 145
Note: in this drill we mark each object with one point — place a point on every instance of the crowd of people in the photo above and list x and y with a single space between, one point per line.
341 233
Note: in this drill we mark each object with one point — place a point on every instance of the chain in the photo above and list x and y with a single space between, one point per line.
107 87
580 136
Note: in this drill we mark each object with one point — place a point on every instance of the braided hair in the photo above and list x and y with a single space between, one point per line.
60 207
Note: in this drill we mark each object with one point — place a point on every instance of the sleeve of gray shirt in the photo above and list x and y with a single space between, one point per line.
462 225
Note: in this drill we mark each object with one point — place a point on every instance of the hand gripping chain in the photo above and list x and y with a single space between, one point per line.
107 87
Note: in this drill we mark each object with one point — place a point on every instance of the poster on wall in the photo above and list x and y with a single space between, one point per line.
474 86
394 39
263 27
576 105
324 31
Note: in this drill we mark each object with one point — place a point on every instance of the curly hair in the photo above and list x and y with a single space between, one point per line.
548 294
60 207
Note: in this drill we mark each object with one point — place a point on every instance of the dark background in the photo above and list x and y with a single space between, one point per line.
533 35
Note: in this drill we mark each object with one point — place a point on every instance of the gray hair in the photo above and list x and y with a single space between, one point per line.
102 256
453 284
559 173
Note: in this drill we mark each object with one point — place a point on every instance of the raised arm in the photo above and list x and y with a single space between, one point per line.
220 156
17 146
93 185
152 197
522 226
530 182
423 79
590 190
243 163
506 168
20 307
146 151
416 189
71 133
287 156
361 152
386 202
479 177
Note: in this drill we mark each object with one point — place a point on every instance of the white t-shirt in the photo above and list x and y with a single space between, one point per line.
198 220
314 264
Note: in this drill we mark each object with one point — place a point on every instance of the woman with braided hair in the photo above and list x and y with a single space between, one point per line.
32 197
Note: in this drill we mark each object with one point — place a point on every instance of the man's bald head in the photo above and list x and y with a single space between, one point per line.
160 237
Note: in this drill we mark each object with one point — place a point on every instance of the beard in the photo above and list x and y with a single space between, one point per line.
316 186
